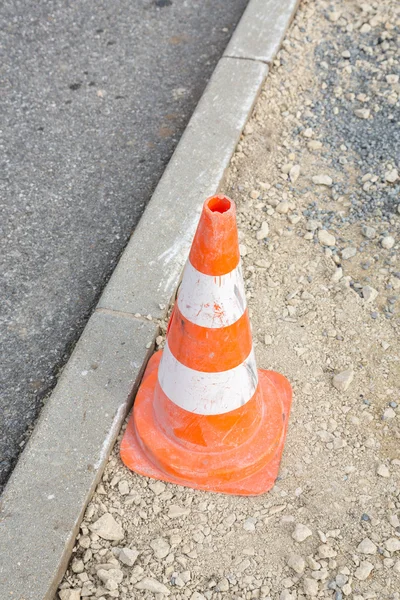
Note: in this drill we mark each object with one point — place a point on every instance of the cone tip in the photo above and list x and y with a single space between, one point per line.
219 204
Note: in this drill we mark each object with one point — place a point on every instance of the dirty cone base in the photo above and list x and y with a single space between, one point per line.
248 469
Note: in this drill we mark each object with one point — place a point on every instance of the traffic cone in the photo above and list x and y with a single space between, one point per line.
204 417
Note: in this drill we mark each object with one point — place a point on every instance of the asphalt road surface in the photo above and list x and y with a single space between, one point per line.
95 96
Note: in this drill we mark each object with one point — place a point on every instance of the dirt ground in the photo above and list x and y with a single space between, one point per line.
318 162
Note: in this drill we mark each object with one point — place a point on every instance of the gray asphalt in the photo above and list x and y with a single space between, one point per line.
95 96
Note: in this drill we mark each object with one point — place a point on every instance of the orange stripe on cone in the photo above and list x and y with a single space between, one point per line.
204 417
210 350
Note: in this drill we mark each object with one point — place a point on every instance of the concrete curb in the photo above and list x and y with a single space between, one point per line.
261 29
44 501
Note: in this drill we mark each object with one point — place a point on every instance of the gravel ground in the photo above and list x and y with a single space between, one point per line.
316 181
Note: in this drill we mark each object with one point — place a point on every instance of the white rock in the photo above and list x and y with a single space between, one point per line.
157 487
152 585
301 533
334 16
310 587
115 574
337 276
325 238
383 471
286 595
242 249
249 524
367 546
123 488
197 596
346 589
326 551
342 380
267 340
369 293
388 242
392 176
70 594
314 145
348 253
392 544
362 113
263 232
160 547
368 232
128 556
308 133
223 585
297 563
107 528
339 443
294 173
394 521
313 225
286 168
364 570
392 78
77 566
175 511
322 180
282 208
325 436
388 414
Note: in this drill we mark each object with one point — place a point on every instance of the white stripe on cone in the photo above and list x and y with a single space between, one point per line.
207 393
211 301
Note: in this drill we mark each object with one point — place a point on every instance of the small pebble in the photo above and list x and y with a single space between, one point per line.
301 533
388 242
342 380
383 471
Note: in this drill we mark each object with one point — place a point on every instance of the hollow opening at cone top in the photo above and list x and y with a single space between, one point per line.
219 204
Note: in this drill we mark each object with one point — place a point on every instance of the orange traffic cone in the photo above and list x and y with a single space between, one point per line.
204 417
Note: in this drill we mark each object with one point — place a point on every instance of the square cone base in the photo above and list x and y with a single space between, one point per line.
259 482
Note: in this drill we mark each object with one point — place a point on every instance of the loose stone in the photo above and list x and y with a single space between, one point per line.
367 546
70 594
392 544
364 570
294 173
362 113
368 232
388 242
108 528
152 585
325 238
263 232
369 293
160 547
223 585
310 587
383 471
349 253
301 533
342 380
322 180
297 563
392 176
177 511
128 556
